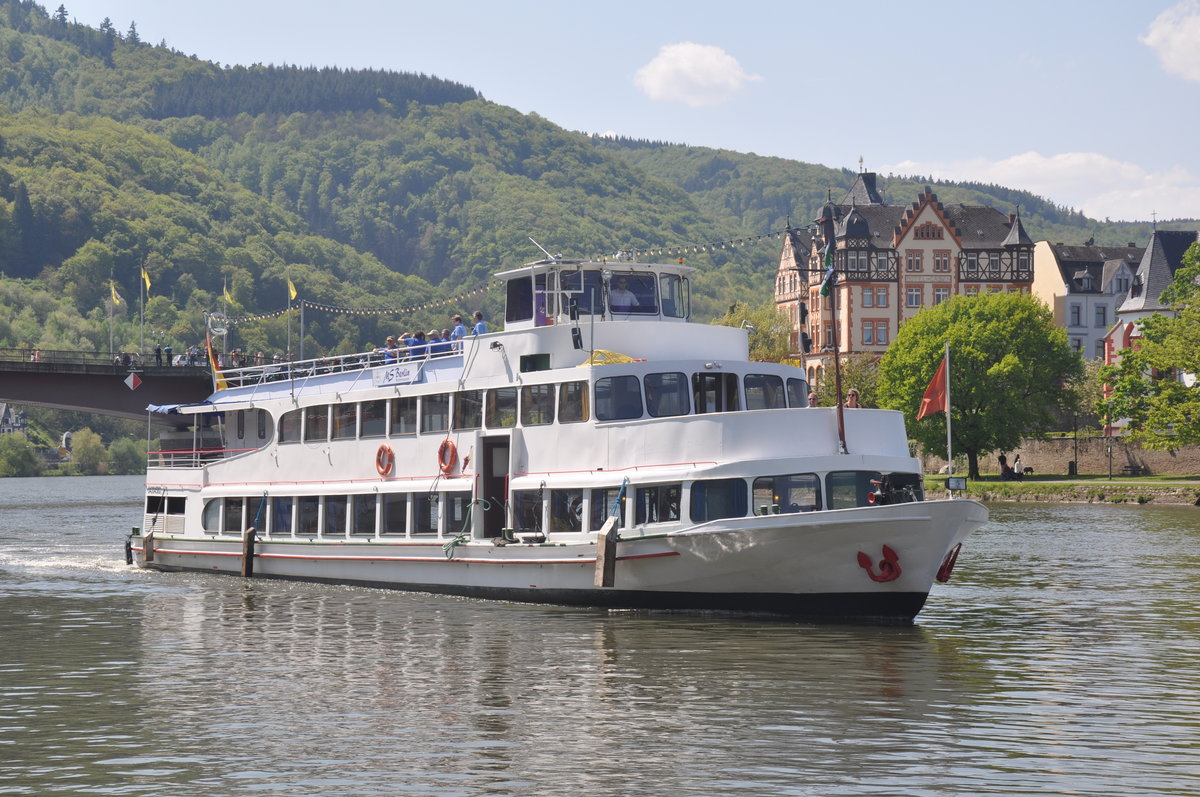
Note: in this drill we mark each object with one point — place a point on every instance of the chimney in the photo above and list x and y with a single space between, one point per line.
1012 217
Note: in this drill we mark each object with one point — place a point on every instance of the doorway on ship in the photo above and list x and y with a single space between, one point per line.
493 484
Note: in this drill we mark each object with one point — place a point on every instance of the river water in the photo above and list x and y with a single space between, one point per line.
1063 658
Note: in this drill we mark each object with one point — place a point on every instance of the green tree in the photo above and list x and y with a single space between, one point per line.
17 456
771 329
88 452
1010 370
127 455
1154 388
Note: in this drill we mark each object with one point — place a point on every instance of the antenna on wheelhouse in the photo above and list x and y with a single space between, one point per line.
544 250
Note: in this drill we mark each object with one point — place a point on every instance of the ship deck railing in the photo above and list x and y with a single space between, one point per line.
294 370
190 457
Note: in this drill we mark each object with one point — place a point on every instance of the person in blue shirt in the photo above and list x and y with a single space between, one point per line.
437 346
458 333
416 346
480 324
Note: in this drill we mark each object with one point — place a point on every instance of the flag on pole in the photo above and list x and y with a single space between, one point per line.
830 278
116 297
219 382
935 398
229 298
291 290
146 279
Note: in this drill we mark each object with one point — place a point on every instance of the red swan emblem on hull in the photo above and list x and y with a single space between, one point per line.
889 565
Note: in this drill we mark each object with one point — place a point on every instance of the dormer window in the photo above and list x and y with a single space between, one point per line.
928 232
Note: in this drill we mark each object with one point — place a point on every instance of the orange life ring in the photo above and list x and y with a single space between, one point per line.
447 455
385 460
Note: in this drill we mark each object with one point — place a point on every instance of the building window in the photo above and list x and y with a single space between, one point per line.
913 297
881 297
941 261
868 297
972 290
940 293
1100 349
856 261
1101 316
868 333
1077 344
1122 285
1076 316
912 260
881 333
928 232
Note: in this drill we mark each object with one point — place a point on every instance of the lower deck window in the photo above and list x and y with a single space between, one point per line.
718 498
607 501
796 492
845 489
527 510
658 503
566 510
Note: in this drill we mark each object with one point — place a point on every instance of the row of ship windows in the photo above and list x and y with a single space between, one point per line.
446 514
625 397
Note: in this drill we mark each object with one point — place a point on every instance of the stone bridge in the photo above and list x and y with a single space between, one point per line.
119 386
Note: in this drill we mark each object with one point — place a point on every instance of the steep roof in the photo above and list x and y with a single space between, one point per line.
981 227
863 192
1157 269
1016 232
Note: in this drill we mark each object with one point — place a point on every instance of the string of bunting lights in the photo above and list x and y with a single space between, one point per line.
632 252
333 308
691 249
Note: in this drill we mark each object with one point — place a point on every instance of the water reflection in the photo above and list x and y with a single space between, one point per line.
1062 658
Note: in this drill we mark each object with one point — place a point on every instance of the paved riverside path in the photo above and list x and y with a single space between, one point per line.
68 380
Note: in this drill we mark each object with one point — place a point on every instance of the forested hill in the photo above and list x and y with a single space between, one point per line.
367 189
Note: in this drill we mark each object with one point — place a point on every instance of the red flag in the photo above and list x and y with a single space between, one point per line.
219 382
934 399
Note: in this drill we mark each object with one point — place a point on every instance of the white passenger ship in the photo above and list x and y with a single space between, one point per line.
600 451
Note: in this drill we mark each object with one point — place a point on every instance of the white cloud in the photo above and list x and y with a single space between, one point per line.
1099 186
698 75
1175 37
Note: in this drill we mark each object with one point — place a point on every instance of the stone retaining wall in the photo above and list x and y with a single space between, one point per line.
1092 454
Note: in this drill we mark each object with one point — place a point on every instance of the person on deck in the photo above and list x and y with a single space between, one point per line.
458 333
852 399
481 327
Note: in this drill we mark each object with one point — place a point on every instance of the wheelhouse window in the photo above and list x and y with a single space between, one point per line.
785 495
585 289
404 416
435 412
713 499
537 405
675 298
797 391
764 392
715 392
667 394
468 409
572 402
501 408
657 503
632 293
618 398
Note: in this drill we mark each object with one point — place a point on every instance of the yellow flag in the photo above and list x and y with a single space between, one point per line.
228 298
146 279
116 297
291 290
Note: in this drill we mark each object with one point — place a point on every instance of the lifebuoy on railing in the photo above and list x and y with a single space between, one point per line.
385 460
447 456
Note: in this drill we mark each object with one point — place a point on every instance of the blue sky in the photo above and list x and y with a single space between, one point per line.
1094 104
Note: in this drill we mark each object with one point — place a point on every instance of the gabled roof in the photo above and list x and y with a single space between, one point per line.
981 227
801 244
1111 268
1157 269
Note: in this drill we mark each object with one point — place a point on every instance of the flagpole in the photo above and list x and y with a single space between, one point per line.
949 451
142 311
112 299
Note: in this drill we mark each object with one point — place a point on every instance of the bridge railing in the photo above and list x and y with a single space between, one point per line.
66 357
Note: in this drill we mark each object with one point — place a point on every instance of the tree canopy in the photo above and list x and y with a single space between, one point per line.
1154 390
1011 369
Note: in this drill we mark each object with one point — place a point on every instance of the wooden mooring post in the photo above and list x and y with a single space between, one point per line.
148 546
248 537
606 554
